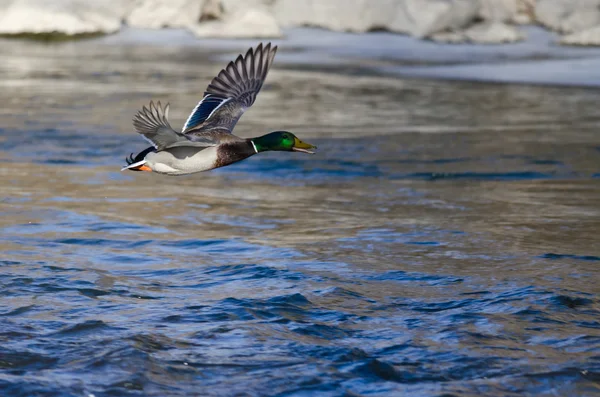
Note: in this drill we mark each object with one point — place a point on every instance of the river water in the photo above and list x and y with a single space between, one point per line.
443 240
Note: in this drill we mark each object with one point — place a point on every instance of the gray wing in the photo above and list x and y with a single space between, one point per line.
231 92
153 124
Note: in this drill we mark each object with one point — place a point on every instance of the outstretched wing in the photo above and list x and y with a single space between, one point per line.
232 92
153 124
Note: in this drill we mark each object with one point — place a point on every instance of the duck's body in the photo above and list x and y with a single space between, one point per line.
206 141
182 160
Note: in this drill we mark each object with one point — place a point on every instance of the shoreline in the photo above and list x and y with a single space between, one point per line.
536 60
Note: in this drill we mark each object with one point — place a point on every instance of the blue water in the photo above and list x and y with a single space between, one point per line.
449 250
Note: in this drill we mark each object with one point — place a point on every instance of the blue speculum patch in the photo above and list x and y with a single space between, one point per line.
207 106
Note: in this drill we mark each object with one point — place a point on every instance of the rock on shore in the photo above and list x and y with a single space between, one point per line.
477 21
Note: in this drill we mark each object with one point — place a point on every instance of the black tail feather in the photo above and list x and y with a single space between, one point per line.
140 156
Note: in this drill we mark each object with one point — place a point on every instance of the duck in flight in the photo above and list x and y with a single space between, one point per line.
206 141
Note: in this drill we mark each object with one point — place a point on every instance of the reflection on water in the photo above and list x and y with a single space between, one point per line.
443 240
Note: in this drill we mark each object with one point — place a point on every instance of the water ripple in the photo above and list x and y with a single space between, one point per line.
442 242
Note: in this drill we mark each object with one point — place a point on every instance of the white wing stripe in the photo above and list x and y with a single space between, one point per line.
187 122
217 108
193 112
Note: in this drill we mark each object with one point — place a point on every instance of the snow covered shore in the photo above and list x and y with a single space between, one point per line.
448 21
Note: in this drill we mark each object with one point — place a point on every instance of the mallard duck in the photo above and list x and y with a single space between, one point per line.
206 141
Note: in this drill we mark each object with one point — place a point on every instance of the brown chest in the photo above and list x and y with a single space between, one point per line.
229 153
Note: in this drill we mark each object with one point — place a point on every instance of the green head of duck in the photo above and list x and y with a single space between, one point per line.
282 141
